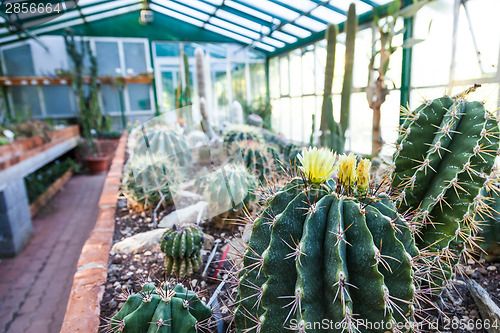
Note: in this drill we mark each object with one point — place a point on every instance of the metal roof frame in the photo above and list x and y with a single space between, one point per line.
270 26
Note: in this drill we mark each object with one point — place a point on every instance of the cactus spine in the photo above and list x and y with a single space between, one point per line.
444 155
160 309
182 250
324 251
262 161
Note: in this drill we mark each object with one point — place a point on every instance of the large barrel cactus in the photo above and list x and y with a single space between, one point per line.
488 220
227 191
261 160
241 133
161 309
182 247
325 251
146 179
444 156
161 141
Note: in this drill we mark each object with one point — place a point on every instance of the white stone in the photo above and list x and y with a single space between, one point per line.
144 241
183 199
190 214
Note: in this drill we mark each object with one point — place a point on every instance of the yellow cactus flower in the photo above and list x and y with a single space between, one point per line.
347 170
363 176
317 164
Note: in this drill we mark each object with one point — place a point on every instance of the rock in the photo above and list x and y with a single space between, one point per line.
183 199
491 268
209 241
112 305
144 241
147 253
490 312
190 214
482 271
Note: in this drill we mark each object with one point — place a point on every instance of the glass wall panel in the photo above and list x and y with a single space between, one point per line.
135 58
26 101
57 100
257 80
108 58
274 78
284 76
19 61
308 78
238 83
295 73
110 98
138 95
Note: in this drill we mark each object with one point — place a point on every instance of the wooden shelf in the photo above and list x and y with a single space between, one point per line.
66 80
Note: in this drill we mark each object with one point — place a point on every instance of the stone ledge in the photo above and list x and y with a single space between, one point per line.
84 304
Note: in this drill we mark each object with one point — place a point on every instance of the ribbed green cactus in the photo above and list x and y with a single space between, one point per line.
261 160
331 41
290 153
241 133
182 247
443 158
146 179
161 141
161 309
488 220
228 189
326 251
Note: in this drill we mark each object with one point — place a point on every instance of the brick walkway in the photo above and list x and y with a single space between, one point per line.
35 286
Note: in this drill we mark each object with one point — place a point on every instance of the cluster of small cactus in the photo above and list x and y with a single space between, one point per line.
241 133
162 141
326 250
227 191
182 247
160 309
261 160
146 180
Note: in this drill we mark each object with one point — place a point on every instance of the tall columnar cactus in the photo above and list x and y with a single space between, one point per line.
331 41
488 220
444 155
345 104
261 160
204 105
161 309
161 141
146 180
182 247
227 190
322 250
241 133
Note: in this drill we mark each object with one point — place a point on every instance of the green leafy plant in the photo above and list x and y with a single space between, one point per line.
39 181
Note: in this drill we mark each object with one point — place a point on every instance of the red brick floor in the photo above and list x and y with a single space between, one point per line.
35 285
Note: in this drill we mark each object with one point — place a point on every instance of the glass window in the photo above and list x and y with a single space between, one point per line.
18 61
274 78
320 52
239 83
108 58
110 98
139 98
168 87
308 73
57 100
295 73
257 80
284 76
26 101
135 58
167 49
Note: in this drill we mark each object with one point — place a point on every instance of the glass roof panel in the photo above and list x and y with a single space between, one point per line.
284 37
228 33
249 11
302 5
361 7
264 46
381 2
273 42
183 9
242 21
328 15
219 2
176 15
196 4
234 28
296 31
273 9
310 24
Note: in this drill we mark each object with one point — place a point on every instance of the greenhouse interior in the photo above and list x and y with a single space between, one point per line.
249 166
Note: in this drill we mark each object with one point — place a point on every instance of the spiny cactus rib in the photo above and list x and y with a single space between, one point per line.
262 161
488 220
182 250
160 309
241 133
325 255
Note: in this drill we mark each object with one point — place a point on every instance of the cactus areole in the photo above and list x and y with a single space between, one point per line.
326 257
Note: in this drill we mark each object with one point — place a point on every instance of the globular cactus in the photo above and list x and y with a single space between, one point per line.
162 141
443 158
322 250
146 179
161 309
290 153
182 247
227 191
261 160
241 133
488 220
274 139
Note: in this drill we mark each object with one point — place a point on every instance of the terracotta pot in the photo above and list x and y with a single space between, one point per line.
97 164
